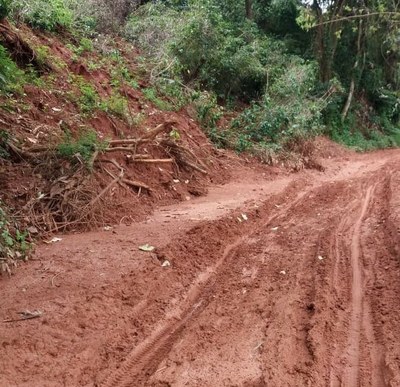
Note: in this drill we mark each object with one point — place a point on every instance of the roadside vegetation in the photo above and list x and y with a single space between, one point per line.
286 68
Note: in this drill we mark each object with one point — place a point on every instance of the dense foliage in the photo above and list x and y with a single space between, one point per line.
349 55
300 67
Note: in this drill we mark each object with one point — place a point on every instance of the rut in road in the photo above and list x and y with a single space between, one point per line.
351 373
296 332
144 358
305 292
302 332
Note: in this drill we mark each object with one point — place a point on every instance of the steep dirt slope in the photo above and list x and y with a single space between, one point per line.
285 281
101 90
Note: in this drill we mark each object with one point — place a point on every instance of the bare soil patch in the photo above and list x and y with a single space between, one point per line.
269 280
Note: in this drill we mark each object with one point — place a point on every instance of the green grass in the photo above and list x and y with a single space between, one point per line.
361 142
81 149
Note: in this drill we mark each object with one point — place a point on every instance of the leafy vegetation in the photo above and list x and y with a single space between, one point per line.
117 105
11 77
5 8
81 149
43 14
14 245
301 69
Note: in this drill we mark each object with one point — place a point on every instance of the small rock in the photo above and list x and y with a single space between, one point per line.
146 248
33 230
166 263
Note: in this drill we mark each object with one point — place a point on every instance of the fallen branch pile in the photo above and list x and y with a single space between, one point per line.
74 198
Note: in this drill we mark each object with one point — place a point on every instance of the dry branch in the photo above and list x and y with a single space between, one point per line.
22 153
132 183
121 149
164 127
153 161
184 156
193 166
136 184
147 137
128 141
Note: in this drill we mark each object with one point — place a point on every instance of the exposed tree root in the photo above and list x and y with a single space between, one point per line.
74 198
20 50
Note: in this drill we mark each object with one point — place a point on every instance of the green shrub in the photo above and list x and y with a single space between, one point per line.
82 148
43 14
204 49
152 95
13 242
88 99
288 110
208 114
117 105
11 77
85 45
5 8
361 139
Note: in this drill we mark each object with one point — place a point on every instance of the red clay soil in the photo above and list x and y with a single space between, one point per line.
42 116
267 281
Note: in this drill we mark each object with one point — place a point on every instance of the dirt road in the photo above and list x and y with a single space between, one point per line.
284 281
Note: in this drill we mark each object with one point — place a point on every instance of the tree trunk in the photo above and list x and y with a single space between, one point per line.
249 9
353 79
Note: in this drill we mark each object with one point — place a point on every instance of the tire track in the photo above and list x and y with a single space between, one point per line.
351 371
143 359
361 331
152 350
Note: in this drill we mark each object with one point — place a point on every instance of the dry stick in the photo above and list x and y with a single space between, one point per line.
112 161
136 184
106 189
151 134
132 183
153 161
191 154
114 177
195 167
24 317
181 149
116 129
93 159
38 149
128 141
121 149
159 129
21 153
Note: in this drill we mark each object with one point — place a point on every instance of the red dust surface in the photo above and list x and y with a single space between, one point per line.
269 280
